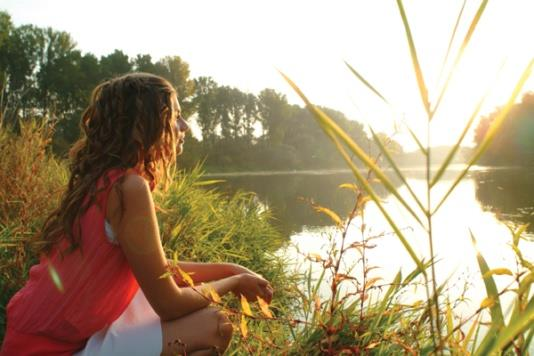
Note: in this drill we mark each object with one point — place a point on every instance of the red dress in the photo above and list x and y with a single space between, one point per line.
98 285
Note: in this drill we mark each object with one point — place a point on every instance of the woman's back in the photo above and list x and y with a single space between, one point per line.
96 285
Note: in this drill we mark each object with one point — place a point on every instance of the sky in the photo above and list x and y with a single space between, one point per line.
243 43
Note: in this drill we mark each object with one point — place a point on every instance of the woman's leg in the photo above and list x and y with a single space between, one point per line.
200 333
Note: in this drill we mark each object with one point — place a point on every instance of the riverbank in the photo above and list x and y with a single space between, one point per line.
196 222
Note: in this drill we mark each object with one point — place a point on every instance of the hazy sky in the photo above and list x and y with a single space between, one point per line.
241 43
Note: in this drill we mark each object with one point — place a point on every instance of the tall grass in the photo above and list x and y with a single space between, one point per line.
196 222
434 330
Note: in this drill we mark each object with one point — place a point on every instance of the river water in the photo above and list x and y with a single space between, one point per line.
486 202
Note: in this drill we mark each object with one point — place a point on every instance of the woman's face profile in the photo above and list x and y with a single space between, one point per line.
181 127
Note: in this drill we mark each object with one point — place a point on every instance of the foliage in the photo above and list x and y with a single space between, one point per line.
197 223
435 329
44 76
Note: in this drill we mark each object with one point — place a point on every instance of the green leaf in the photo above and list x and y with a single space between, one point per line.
334 132
491 288
386 300
518 233
450 322
378 203
386 153
419 144
497 318
455 148
453 35
367 84
512 330
467 38
208 182
415 61
526 282
474 326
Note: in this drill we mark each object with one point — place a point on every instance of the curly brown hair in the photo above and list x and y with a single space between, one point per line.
129 123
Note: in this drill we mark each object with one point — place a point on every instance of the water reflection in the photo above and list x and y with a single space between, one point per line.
287 195
480 204
509 193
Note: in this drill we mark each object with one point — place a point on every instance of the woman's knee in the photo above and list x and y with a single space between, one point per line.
208 328
224 326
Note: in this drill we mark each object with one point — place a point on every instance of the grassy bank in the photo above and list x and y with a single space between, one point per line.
197 223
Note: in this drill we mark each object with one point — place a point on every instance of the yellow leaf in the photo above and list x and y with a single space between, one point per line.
525 283
372 345
208 182
186 277
372 281
497 271
350 186
165 275
488 302
264 307
417 303
315 256
245 306
317 303
243 326
332 215
214 295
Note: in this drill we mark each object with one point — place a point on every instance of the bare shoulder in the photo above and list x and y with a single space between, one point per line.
134 183
134 193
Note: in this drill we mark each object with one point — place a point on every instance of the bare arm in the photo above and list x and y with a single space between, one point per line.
205 272
138 235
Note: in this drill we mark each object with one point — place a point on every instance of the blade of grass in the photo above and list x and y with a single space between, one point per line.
455 148
470 334
410 277
376 199
450 325
465 42
419 144
492 131
528 339
415 61
512 330
387 299
333 129
367 84
497 318
390 160
453 35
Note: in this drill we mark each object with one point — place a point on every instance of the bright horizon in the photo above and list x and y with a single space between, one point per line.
243 43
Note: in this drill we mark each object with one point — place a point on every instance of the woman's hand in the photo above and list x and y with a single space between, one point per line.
252 286
238 269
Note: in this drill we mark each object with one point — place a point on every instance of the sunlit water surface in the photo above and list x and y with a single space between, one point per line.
485 203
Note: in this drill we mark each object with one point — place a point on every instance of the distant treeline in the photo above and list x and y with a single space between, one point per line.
43 76
514 143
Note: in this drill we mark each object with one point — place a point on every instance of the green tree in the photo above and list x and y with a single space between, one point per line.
143 63
176 71
114 64
23 50
6 27
515 142
58 73
204 103
273 110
